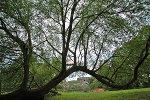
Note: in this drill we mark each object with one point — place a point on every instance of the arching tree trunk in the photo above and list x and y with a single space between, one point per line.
22 95
37 94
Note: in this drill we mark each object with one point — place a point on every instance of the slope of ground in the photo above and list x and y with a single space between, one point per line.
133 94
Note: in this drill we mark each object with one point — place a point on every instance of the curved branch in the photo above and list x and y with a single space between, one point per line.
15 38
144 54
26 50
52 83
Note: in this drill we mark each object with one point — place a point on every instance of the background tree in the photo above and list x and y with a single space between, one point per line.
84 32
120 68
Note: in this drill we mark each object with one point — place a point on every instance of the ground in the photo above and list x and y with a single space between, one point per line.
133 94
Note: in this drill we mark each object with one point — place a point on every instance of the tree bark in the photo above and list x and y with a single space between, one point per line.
0 86
37 94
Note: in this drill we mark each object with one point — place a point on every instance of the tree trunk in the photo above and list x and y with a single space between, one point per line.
23 95
0 86
37 94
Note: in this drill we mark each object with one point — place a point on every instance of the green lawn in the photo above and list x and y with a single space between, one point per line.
133 94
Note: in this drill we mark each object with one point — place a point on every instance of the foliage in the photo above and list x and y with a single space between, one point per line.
95 84
45 35
41 72
11 76
128 55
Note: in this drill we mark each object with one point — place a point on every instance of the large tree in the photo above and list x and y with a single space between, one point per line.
83 32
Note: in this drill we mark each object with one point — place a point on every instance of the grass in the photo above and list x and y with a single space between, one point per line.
133 94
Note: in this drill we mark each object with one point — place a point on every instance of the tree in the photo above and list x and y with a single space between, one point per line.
84 32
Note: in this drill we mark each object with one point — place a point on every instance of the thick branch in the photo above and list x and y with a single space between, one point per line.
27 51
15 38
55 81
70 25
145 53
141 60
